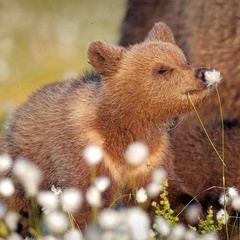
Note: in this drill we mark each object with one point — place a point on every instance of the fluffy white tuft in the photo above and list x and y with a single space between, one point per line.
141 195
212 77
5 162
222 216
71 200
136 153
6 187
93 154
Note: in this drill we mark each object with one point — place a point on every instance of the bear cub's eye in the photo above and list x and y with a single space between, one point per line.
163 70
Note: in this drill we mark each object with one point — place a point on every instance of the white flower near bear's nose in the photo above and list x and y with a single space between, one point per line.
136 153
212 77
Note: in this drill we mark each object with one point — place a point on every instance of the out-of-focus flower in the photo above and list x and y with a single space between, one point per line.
14 236
162 226
48 200
6 187
138 223
193 213
102 183
28 174
93 196
141 195
93 154
108 219
159 175
153 189
73 234
236 203
136 153
210 236
11 219
56 222
178 232
5 162
71 200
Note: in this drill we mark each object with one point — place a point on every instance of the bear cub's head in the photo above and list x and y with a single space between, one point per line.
150 79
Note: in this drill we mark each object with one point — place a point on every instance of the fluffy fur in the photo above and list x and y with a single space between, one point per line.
132 95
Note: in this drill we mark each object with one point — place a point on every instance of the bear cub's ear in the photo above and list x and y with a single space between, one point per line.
105 58
160 32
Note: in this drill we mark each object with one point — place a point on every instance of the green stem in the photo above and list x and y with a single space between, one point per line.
223 155
204 129
35 216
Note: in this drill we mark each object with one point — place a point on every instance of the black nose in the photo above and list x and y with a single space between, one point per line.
200 73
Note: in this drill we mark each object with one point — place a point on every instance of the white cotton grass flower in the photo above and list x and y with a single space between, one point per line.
102 183
138 223
136 153
232 192
5 162
108 219
56 190
73 234
141 195
56 222
190 235
163 226
222 216
236 203
210 236
28 174
72 200
159 175
93 197
11 219
224 199
14 236
212 77
93 154
48 200
193 213
154 189
7 188
178 232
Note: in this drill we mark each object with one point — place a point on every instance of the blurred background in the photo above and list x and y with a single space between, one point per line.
46 40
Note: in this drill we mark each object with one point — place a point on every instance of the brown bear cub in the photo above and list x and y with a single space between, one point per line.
133 94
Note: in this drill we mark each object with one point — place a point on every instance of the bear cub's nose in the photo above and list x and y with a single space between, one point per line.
200 73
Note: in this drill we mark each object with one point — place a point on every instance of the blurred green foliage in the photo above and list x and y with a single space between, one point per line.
46 40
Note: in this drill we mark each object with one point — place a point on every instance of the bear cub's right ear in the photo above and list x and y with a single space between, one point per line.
105 58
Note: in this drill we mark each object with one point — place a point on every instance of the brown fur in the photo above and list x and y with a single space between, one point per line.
126 100
212 40
202 172
208 38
